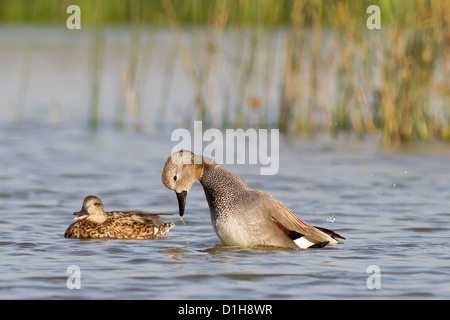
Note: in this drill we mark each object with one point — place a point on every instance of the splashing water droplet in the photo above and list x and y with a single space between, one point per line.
182 220
331 219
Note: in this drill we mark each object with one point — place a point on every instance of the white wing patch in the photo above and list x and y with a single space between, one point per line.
303 243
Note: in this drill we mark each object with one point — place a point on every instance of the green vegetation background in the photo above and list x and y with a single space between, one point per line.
410 102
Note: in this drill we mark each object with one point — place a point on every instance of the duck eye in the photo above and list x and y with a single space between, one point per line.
175 178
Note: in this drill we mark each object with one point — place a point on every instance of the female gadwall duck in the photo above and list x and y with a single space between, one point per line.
93 222
241 216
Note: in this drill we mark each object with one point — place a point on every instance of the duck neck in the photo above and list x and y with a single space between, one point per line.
222 187
98 217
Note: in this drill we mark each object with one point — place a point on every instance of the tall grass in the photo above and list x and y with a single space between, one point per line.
392 81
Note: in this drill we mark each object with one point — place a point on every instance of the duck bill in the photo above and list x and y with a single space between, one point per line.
80 215
181 201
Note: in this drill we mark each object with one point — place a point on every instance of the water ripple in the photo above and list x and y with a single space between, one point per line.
402 229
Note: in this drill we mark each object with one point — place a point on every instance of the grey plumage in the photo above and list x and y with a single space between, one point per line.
240 215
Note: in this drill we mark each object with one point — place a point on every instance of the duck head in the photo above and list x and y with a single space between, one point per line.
180 172
92 209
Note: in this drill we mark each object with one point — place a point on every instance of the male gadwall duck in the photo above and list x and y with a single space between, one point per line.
241 216
93 222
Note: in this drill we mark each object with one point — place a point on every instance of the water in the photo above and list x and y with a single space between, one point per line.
393 208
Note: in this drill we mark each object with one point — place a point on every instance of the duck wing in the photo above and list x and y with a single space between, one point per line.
303 234
141 217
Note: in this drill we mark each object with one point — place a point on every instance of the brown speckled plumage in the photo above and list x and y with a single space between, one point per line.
98 224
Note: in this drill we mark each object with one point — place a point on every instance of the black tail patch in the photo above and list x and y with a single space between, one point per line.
332 234
319 244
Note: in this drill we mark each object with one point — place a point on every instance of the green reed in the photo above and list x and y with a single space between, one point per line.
393 81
